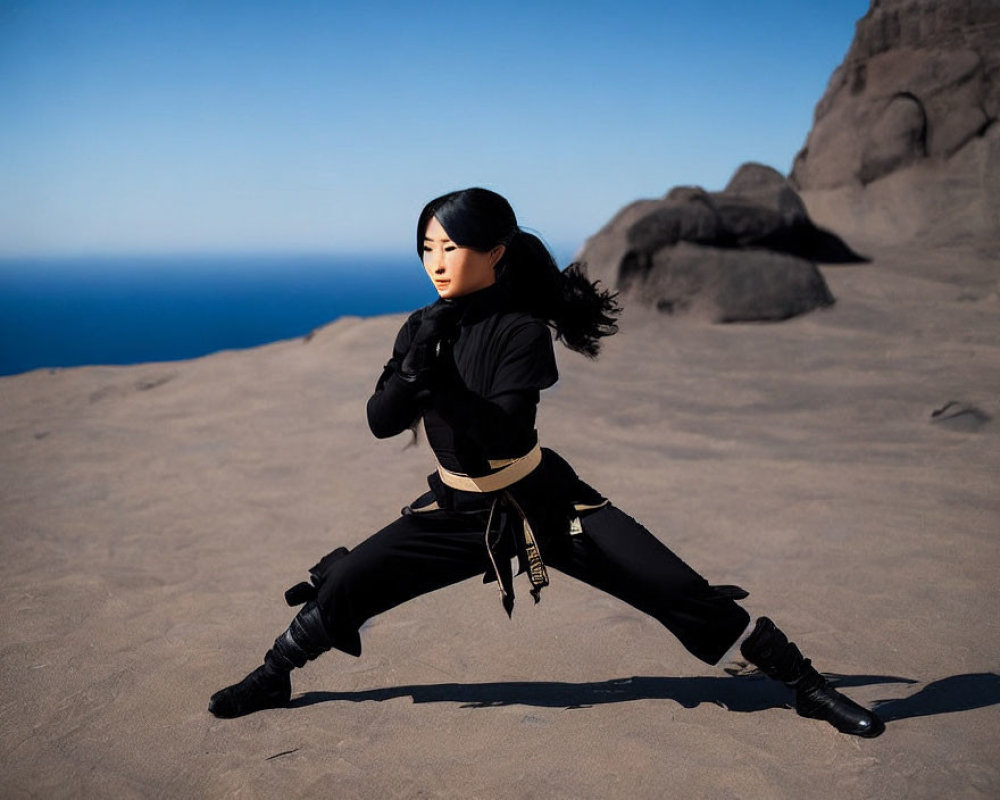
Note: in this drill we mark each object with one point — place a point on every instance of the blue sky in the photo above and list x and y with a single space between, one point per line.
219 126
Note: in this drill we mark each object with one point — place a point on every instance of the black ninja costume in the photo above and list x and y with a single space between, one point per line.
472 369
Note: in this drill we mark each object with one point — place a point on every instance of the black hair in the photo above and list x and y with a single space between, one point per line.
580 312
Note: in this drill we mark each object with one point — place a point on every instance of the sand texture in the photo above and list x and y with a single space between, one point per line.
151 516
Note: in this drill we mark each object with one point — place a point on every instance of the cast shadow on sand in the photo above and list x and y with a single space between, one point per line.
744 693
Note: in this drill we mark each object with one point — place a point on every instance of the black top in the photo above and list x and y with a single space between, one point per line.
482 399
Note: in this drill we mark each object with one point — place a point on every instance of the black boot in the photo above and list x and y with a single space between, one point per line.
269 686
769 649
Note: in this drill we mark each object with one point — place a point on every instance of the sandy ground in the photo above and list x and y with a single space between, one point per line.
152 516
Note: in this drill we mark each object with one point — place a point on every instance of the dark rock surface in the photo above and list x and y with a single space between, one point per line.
962 417
745 253
905 143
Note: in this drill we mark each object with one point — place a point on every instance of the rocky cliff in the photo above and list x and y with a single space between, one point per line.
905 143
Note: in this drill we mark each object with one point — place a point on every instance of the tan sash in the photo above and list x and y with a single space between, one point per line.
510 471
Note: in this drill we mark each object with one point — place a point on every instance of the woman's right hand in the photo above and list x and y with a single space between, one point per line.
436 325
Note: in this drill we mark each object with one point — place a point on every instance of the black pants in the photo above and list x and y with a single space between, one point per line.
419 553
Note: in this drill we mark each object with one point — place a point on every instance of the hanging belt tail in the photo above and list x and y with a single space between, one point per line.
507 473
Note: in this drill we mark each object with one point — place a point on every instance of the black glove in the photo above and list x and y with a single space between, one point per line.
436 325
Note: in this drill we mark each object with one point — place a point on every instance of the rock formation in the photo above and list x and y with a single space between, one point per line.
905 144
746 253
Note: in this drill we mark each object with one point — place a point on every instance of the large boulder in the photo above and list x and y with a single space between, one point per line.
904 144
745 253
730 285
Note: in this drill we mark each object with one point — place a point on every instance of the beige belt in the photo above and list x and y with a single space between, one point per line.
510 471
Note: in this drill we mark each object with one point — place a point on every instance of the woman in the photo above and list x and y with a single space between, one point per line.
471 366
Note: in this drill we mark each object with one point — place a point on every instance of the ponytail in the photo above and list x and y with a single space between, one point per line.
578 310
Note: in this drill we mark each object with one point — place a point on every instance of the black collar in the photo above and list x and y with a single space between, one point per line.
482 303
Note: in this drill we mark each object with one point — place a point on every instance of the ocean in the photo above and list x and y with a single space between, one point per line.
73 311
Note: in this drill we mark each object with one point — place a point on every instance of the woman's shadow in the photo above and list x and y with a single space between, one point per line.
743 693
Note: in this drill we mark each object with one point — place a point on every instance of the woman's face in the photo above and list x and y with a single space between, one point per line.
456 271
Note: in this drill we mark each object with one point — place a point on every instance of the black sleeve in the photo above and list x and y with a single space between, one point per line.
528 362
508 412
395 404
